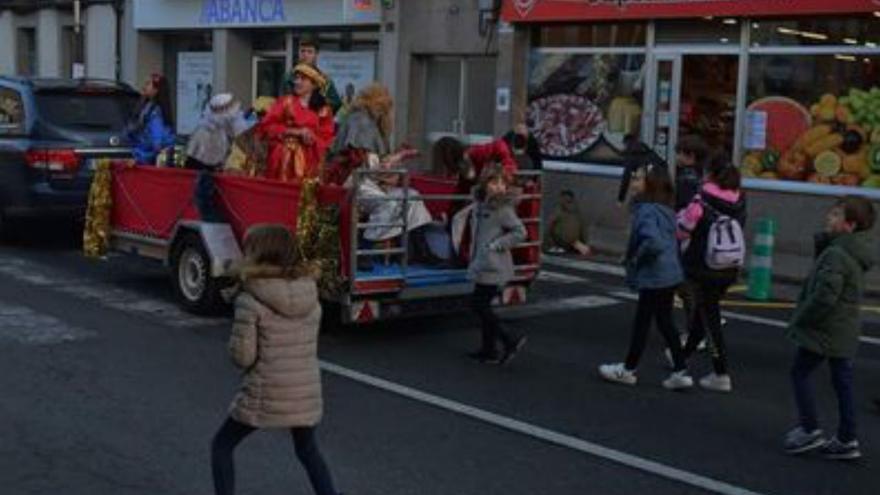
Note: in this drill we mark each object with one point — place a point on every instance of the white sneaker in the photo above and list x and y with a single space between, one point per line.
679 380
618 373
717 383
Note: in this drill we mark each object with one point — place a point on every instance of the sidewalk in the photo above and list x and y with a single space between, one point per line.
788 269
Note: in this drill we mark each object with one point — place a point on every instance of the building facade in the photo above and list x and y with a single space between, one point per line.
785 87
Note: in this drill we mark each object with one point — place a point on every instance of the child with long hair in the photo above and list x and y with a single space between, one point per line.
653 269
495 230
275 341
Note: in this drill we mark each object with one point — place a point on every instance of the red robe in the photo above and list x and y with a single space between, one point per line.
289 158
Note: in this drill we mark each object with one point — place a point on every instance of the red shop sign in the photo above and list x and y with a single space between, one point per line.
567 10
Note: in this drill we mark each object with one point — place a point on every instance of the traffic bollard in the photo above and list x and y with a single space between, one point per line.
761 264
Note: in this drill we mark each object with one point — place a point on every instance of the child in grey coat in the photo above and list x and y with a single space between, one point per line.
496 229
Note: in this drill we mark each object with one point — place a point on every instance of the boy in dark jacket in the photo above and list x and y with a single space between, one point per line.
826 325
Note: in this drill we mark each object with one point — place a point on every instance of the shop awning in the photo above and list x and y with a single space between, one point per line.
588 10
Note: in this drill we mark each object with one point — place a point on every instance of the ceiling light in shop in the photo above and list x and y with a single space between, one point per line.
871 44
847 58
785 30
755 25
725 40
851 41
814 36
876 14
708 17
867 60
731 22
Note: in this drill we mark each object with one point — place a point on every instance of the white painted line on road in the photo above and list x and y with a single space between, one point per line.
556 305
590 266
560 278
104 294
540 433
23 325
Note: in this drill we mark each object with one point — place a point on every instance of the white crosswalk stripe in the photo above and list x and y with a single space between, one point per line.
104 294
23 325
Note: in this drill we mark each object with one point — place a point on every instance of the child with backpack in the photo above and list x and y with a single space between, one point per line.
275 341
495 230
653 269
826 325
714 251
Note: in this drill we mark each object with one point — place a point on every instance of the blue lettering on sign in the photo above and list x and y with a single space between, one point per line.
219 12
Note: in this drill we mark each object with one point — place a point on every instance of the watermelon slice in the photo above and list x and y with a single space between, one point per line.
786 120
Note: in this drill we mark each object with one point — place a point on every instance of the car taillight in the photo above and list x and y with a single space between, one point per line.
62 161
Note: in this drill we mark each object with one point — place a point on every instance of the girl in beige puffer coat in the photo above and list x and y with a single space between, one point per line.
275 341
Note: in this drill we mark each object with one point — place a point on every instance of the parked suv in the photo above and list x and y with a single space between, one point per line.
52 132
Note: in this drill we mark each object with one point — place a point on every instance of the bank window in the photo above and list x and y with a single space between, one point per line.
814 118
581 106
11 112
622 34
851 31
26 51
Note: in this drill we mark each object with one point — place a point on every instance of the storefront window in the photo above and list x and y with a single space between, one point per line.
814 118
618 34
711 30
816 31
581 106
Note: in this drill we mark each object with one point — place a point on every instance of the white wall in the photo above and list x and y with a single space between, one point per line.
49 43
7 43
100 42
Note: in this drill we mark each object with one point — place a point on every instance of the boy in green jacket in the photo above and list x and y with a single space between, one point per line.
826 325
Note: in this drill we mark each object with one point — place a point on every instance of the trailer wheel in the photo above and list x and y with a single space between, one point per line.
196 289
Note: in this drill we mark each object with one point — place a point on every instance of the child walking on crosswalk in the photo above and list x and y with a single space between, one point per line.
654 270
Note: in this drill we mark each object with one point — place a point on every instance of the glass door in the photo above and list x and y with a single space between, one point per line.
268 75
667 106
460 98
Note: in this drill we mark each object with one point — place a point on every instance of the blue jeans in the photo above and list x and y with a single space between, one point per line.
233 432
805 363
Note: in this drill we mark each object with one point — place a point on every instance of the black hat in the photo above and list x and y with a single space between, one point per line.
310 39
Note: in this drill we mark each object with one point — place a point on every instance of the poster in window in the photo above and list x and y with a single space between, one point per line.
350 71
195 86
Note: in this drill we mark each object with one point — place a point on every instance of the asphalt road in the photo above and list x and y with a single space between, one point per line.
109 388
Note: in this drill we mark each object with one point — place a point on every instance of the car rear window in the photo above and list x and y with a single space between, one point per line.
86 111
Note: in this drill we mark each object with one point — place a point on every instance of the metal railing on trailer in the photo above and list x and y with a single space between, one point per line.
391 281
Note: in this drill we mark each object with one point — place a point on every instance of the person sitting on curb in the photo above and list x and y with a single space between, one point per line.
566 231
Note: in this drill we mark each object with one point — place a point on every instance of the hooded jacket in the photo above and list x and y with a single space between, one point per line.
826 320
694 223
275 341
495 230
652 253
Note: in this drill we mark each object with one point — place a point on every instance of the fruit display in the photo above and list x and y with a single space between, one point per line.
836 142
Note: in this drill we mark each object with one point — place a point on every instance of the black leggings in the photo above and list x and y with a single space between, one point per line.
233 432
654 305
493 331
707 318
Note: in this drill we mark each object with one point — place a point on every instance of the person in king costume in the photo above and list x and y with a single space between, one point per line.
299 128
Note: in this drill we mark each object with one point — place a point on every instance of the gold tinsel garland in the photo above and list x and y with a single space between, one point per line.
96 236
317 235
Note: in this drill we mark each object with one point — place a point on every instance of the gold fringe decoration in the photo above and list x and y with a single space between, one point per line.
317 234
96 236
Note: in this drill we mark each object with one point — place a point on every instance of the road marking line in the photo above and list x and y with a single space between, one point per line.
560 278
104 294
590 266
544 434
24 325
557 305
757 304
746 318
